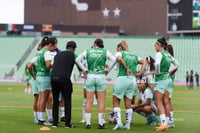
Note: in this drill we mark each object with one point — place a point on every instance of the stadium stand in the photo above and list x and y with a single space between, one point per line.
186 50
12 50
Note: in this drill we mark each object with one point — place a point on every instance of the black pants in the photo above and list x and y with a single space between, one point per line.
66 89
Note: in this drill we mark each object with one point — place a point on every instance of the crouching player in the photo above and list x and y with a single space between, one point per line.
146 106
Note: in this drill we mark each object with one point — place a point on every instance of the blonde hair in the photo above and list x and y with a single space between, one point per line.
123 45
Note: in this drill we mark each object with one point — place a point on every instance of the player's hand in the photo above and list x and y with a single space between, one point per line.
128 72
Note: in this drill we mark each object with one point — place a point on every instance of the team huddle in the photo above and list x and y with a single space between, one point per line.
51 70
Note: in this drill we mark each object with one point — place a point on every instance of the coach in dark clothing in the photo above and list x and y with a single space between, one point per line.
60 82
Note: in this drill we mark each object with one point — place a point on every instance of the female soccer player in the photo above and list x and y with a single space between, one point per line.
96 58
146 105
125 85
163 61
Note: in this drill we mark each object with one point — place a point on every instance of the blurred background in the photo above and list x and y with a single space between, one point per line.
140 22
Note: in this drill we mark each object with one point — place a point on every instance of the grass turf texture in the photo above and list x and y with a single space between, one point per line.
16 115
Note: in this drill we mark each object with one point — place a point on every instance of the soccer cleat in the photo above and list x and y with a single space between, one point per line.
88 126
83 121
126 127
154 122
171 125
149 120
162 128
36 121
62 119
118 126
102 126
70 126
44 123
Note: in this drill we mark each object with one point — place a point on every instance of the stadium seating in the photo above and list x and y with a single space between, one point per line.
12 49
186 50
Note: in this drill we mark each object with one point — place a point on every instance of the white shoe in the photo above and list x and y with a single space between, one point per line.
126 127
171 125
118 126
83 121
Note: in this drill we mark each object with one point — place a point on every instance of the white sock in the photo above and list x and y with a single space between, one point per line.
62 111
171 116
167 118
35 115
83 108
117 112
88 118
163 119
101 117
29 90
49 114
128 115
41 116
26 90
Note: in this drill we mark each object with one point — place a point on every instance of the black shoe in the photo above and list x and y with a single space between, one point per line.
88 126
70 126
44 123
62 119
55 125
102 126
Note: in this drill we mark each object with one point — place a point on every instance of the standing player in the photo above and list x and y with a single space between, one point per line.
35 91
96 58
163 61
43 77
125 84
187 76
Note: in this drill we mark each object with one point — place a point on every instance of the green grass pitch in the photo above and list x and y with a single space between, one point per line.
16 113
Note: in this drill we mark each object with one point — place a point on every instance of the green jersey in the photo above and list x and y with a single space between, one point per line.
96 60
164 66
42 70
131 61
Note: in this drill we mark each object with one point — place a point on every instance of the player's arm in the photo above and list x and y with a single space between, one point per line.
30 66
174 66
112 61
78 61
147 103
157 63
144 64
121 61
48 59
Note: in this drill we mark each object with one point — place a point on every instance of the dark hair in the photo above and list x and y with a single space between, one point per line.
41 44
162 41
144 78
151 63
46 41
99 43
55 39
170 49
70 45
